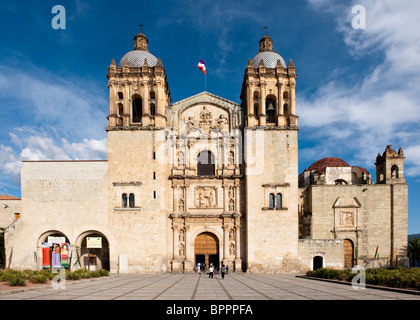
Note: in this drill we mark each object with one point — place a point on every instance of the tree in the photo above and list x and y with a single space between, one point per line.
413 251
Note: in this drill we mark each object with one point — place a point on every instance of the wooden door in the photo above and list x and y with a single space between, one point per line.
348 253
206 244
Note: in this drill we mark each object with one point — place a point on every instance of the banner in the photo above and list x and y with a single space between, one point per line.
64 250
46 263
94 242
55 256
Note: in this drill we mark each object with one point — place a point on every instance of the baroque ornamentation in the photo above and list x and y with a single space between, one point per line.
206 197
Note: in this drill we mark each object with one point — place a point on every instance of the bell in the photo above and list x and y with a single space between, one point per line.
270 107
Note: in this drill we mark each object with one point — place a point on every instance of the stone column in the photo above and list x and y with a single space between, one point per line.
292 99
238 260
188 261
262 106
126 105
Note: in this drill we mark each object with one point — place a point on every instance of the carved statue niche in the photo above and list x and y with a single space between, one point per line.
181 158
231 159
232 249
181 235
181 205
231 205
181 250
232 235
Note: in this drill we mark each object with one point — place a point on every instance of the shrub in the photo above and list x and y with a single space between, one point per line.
16 280
38 278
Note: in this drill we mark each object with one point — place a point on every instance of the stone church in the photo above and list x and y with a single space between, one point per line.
206 180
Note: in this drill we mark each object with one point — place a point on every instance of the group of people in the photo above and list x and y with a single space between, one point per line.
201 267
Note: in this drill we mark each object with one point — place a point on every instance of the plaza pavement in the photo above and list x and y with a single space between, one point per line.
191 286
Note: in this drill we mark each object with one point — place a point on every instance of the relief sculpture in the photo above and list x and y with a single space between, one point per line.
206 197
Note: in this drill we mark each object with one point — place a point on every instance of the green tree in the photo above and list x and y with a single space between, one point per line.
413 251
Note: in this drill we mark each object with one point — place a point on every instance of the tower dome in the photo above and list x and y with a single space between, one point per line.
267 55
136 57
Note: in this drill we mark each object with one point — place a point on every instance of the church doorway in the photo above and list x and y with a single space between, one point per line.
348 253
94 251
206 250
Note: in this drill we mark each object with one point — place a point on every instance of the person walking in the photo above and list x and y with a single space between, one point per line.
227 269
223 271
211 270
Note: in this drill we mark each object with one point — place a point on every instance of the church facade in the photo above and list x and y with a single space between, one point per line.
207 180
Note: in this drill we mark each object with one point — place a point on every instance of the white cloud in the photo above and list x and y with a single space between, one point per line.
382 107
54 118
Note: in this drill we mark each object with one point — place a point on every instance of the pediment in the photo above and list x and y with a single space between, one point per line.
205 98
347 202
204 113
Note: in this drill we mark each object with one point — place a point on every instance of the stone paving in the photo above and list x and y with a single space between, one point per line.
190 286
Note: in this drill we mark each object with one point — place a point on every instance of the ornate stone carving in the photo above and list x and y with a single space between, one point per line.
181 158
206 197
346 219
232 249
232 235
181 205
181 235
222 122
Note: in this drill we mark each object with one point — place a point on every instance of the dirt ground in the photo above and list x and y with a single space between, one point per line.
4 286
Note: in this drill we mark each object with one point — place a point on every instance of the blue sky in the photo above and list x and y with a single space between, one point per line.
357 90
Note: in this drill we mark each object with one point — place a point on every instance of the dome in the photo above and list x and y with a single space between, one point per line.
269 58
320 165
136 58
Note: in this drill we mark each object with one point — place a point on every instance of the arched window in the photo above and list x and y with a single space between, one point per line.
270 109
120 95
394 172
205 163
131 200
152 109
271 201
137 109
124 200
279 201
285 95
152 95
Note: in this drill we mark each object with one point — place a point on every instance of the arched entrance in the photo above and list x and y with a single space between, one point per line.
348 253
206 249
94 252
53 247
318 262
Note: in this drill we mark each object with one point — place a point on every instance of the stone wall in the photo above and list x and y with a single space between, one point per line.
373 217
331 251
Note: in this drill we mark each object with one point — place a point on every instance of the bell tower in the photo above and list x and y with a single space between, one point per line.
271 160
268 89
390 166
138 89
137 181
